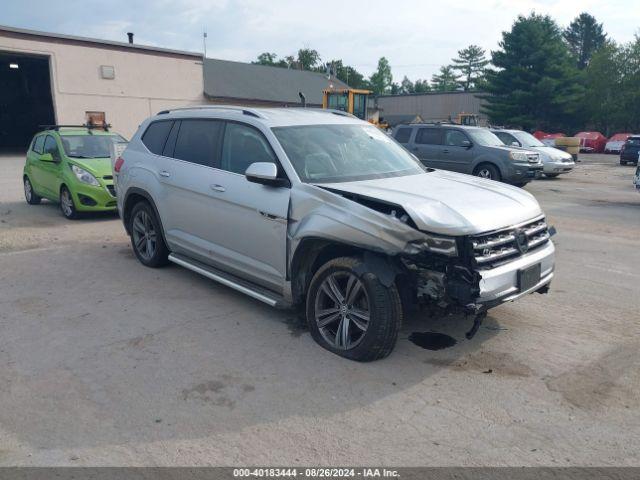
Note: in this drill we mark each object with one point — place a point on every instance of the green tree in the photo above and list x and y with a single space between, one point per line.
535 83
603 101
445 80
585 36
421 86
348 74
470 63
309 59
406 86
630 85
381 79
266 58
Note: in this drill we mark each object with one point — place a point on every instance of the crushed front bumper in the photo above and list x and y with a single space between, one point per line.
500 284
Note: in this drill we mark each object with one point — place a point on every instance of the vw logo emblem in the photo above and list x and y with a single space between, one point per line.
522 242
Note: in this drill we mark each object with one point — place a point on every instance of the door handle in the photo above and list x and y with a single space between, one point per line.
217 188
446 150
164 173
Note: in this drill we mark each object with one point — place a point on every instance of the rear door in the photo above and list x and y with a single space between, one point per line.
457 151
427 146
250 231
49 172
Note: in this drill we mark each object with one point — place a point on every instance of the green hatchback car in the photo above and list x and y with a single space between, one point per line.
72 166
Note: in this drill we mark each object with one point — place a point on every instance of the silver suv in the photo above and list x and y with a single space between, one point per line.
315 208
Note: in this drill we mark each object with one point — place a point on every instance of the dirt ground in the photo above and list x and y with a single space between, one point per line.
105 362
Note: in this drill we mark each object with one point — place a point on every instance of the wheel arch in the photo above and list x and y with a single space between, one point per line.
313 252
133 196
490 162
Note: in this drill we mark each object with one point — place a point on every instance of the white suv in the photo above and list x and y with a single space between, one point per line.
310 207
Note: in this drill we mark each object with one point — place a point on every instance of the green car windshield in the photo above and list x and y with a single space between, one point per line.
88 146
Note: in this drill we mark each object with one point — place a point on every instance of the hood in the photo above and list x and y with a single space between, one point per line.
551 153
98 167
450 203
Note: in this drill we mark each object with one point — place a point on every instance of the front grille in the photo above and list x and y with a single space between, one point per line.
112 190
495 248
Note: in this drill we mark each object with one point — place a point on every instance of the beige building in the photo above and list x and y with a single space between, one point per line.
49 78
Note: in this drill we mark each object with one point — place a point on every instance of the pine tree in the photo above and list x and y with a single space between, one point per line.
471 63
584 36
445 80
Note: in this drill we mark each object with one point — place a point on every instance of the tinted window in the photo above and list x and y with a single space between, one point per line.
198 141
428 136
454 138
51 147
170 144
38 144
403 135
244 145
156 135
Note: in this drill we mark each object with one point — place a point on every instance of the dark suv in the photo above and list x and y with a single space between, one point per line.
471 150
630 150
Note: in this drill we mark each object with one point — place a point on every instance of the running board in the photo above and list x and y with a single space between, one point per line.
230 281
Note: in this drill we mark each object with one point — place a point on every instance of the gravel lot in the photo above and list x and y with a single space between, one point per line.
105 362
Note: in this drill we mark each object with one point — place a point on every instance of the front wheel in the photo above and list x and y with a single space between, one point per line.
488 171
31 196
351 313
67 206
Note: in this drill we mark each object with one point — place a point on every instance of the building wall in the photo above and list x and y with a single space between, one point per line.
432 106
145 81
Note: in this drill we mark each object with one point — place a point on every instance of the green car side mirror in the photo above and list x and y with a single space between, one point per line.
46 157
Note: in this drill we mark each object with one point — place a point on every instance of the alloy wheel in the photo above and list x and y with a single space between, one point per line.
144 235
28 190
66 203
484 173
342 311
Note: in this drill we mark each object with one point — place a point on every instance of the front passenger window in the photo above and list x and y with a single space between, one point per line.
244 145
50 146
454 138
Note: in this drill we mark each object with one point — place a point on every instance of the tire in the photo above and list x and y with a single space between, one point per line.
67 207
623 162
520 184
30 195
363 340
147 239
488 171
551 175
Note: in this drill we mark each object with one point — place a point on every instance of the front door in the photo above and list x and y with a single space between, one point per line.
48 176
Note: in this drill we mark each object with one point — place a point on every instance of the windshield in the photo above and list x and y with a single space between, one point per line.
344 153
485 137
89 146
527 140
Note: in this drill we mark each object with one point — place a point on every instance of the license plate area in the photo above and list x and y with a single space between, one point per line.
528 277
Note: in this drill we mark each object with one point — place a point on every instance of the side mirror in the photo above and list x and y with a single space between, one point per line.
466 144
515 144
47 157
265 173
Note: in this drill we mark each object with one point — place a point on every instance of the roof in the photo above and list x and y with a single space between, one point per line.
246 81
96 41
268 116
619 137
589 135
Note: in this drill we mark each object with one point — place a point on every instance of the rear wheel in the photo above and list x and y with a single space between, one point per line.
146 236
351 313
67 206
31 196
486 170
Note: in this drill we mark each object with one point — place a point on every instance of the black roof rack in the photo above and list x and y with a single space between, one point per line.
89 126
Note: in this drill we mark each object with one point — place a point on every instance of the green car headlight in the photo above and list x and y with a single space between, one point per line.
84 176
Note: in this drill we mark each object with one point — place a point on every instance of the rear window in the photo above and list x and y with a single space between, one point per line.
38 144
156 135
403 135
198 142
428 136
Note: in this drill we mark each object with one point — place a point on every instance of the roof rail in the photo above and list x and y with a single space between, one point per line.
332 111
88 126
245 111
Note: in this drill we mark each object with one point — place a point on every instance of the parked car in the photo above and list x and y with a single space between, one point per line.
471 150
630 150
554 161
323 210
615 143
71 165
591 142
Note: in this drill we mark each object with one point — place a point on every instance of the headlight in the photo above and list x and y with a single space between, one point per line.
84 176
518 156
443 245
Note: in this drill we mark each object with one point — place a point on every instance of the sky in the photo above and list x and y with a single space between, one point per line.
417 37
